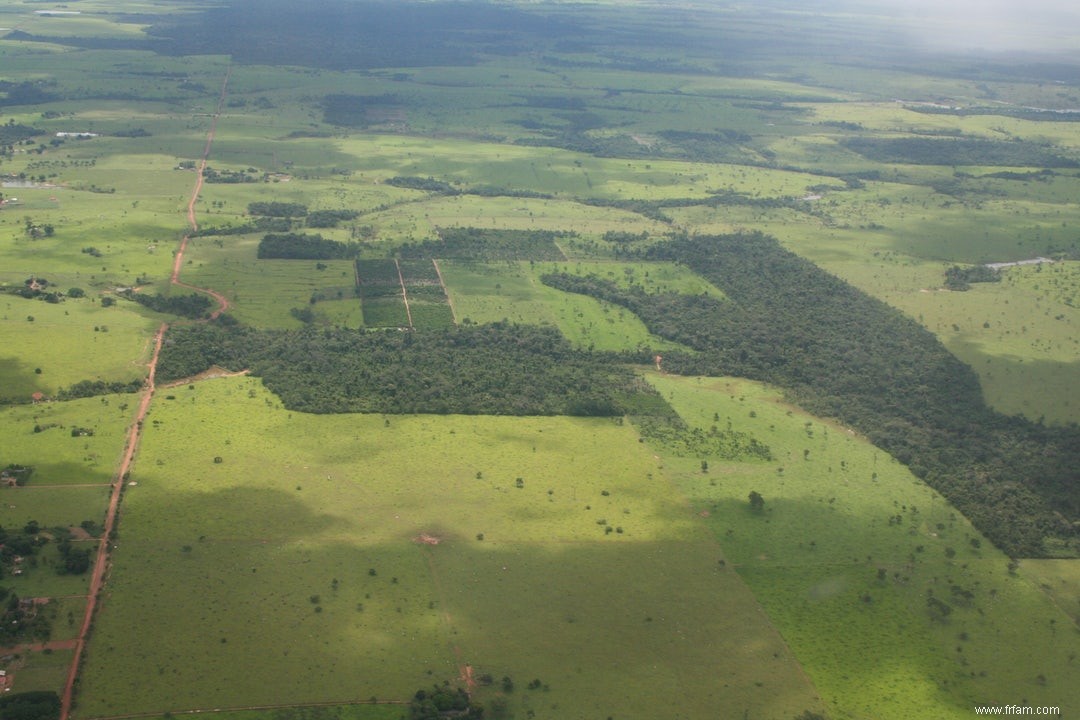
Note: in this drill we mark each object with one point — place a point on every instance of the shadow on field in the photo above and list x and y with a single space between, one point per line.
885 610
1045 389
619 628
232 514
233 590
68 473
18 382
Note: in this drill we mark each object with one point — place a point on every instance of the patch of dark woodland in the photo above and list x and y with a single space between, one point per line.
497 369
840 353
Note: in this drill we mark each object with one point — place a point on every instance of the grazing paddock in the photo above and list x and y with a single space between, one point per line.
494 292
58 457
560 541
37 355
844 555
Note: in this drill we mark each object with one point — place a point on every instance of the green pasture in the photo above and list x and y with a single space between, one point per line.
845 553
46 670
365 710
899 117
41 579
268 557
81 23
562 172
53 506
100 239
651 277
58 458
482 293
560 542
1018 335
187 85
419 221
1059 579
113 343
262 292
1021 335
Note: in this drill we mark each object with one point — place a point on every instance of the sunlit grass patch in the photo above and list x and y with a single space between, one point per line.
846 550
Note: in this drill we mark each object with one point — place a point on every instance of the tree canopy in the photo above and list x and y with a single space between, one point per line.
840 353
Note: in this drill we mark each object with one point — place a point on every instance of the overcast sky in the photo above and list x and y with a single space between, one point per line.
1033 25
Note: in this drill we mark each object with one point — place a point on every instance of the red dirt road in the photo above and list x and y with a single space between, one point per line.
97 577
178 260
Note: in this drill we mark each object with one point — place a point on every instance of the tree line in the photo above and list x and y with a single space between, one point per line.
191 305
497 369
957 151
303 246
488 245
840 353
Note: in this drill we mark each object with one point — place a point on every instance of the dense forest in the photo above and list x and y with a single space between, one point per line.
960 278
957 151
348 34
303 246
487 245
191 305
278 209
495 369
841 353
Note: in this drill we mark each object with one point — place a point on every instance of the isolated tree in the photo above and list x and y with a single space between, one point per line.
939 610
757 502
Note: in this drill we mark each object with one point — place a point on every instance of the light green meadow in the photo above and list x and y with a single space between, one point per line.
628 583
263 292
1060 579
53 506
58 458
513 292
846 552
113 344
560 541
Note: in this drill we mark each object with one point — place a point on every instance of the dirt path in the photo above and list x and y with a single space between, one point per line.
178 260
97 577
404 295
438 271
211 374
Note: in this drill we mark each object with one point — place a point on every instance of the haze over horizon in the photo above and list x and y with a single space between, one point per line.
1039 26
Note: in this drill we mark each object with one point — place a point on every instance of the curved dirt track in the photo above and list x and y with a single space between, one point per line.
97 577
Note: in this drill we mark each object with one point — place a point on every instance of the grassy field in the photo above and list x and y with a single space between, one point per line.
310 522
513 292
41 670
1060 579
626 582
113 344
70 485
846 553
58 458
263 292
